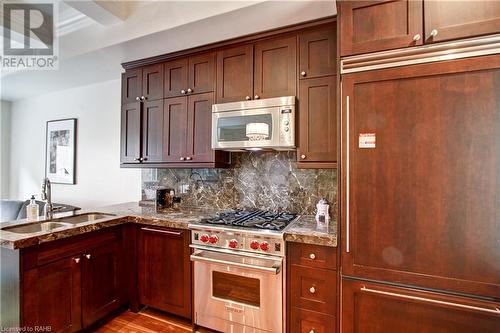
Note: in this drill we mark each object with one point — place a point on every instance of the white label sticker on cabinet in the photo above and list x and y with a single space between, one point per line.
367 140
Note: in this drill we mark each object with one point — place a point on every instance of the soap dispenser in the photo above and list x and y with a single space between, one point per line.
32 209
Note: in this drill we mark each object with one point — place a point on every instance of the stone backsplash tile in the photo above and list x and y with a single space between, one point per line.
264 180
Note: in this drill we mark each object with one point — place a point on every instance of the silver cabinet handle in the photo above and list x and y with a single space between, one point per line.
302 156
88 256
303 73
190 90
137 98
189 158
311 331
138 159
434 33
416 37
167 232
182 158
434 301
312 290
312 256
256 97
77 260
248 98
183 91
143 98
270 270
347 244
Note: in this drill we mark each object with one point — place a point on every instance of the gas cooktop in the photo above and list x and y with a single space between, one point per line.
255 219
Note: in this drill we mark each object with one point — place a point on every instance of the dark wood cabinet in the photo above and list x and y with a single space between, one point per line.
102 281
201 73
199 131
175 129
164 270
131 86
130 145
318 52
460 19
275 68
176 78
317 121
152 82
305 321
423 188
376 308
235 74
368 26
51 295
152 131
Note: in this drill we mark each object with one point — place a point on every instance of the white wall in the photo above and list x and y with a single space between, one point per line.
99 179
4 148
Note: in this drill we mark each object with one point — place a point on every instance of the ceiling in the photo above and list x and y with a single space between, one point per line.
96 36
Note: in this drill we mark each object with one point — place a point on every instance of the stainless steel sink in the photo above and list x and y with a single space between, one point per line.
37 227
87 217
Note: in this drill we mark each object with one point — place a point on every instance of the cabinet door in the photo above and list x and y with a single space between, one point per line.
130 133
152 82
368 26
102 276
235 74
275 68
460 19
152 131
165 270
318 120
376 308
202 73
423 174
175 128
305 321
175 78
318 52
51 296
131 86
199 134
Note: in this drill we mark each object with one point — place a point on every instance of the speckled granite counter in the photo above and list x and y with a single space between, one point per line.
305 230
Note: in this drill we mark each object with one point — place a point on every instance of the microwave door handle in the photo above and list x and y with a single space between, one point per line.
269 270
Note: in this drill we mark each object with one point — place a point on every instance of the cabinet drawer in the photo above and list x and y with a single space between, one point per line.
313 289
304 321
313 255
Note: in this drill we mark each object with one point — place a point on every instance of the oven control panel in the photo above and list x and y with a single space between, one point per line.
235 240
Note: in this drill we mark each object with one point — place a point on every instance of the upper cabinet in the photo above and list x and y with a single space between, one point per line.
176 78
369 26
446 20
318 52
131 86
235 74
152 82
275 68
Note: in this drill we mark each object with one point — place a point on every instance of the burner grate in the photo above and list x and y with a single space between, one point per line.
252 219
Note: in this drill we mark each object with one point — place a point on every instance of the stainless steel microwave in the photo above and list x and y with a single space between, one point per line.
254 125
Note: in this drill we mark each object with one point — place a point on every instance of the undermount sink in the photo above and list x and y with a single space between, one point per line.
87 217
37 227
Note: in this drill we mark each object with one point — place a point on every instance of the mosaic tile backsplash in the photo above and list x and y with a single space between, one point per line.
263 180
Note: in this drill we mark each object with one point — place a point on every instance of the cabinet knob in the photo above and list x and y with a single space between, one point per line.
302 156
143 98
434 33
190 90
183 91
189 158
138 98
256 97
312 256
88 256
144 159
303 73
416 37
138 159
312 331
248 98
77 260
182 158
312 290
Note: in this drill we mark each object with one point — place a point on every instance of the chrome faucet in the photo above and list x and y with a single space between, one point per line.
47 197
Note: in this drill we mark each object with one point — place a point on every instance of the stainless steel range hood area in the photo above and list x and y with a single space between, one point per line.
264 124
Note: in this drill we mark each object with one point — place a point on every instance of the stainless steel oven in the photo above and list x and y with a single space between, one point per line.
254 125
238 292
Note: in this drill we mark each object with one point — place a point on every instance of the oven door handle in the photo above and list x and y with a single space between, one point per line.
270 270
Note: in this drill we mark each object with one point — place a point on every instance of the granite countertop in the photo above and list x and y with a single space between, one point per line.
302 230
305 230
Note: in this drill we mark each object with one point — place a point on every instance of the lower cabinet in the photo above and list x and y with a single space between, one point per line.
68 285
164 269
376 308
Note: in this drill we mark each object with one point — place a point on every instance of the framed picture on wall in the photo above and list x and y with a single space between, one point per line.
60 151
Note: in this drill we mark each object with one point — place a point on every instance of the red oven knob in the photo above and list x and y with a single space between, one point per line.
254 245
233 243
213 239
204 238
264 246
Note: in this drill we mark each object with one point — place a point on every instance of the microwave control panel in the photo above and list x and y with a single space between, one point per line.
287 126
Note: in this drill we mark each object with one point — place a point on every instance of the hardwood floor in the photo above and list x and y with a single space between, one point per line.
148 321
